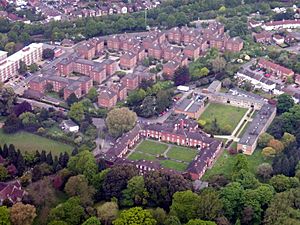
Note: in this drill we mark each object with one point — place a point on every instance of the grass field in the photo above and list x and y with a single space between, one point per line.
152 147
173 165
225 115
140 155
181 153
148 150
30 142
225 163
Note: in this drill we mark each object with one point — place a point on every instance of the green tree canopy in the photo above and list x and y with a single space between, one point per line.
137 216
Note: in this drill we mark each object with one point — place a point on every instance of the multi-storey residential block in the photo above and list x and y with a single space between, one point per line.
30 54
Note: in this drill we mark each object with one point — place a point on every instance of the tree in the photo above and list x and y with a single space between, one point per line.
92 221
264 171
200 222
269 152
10 47
49 87
42 193
22 107
3 173
12 124
117 179
209 206
7 100
163 185
117 125
159 215
218 64
277 145
184 205
92 94
287 139
28 119
148 107
57 222
21 214
282 183
137 216
77 111
163 100
4 216
172 220
70 211
72 99
135 193
232 196
264 139
78 186
48 53
227 83
181 76
33 68
108 212
83 163
22 67
285 102
240 163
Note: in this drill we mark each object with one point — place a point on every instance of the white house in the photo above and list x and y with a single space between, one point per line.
69 126
281 24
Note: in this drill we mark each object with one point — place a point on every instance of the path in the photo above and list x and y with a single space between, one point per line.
234 135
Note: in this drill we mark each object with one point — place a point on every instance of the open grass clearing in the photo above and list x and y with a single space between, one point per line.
182 153
226 115
174 165
30 142
141 156
225 162
151 147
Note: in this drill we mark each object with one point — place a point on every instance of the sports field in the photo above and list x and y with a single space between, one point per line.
169 156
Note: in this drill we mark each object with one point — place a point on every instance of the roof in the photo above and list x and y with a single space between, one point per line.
69 123
257 125
268 64
190 105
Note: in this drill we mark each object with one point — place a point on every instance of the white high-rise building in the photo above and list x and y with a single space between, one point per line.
30 54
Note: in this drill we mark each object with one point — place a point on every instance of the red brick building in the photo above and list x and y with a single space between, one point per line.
130 81
37 84
120 89
170 67
192 51
107 98
155 51
175 35
86 50
128 61
276 69
114 43
234 44
169 52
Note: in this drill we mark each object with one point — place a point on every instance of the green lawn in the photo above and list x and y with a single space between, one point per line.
140 155
30 142
148 150
225 115
151 147
225 163
173 165
182 153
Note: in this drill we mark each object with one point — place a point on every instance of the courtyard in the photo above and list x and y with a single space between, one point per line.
168 155
226 116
